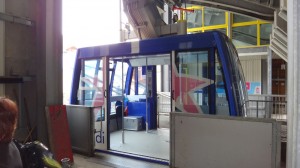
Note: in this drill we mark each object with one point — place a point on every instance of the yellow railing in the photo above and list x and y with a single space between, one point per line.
225 26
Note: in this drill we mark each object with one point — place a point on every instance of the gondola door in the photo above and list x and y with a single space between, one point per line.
93 88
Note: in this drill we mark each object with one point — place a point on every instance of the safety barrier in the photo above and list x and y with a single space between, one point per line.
267 106
163 109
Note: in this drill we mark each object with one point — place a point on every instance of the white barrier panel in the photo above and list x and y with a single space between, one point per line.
220 142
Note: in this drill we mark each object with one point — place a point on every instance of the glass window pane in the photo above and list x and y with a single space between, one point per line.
141 81
133 81
192 69
194 19
91 90
117 85
222 107
244 36
213 17
265 31
240 18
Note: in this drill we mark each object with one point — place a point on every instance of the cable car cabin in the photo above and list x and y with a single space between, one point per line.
201 73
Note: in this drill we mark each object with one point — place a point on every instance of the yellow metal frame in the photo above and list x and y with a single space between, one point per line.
204 28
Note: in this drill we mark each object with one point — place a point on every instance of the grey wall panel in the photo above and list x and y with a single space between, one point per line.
212 141
252 70
81 127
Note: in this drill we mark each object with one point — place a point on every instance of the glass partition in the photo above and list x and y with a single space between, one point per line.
265 31
194 19
244 36
213 17
241 18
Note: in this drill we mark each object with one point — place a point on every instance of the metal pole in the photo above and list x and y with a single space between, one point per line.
2 44
147 89
229 26
157 109
269 83
123 98
256 109
120 16
21 118
293 115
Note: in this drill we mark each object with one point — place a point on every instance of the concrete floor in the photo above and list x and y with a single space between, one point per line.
111 161
154 144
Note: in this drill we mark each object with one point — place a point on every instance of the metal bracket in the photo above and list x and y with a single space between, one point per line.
16 19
